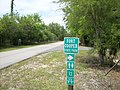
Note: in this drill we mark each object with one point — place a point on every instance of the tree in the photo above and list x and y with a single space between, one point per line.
31 26
96 22
1 31
8 29
29 29
58 30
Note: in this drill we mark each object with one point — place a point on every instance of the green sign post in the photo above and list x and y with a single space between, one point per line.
70 48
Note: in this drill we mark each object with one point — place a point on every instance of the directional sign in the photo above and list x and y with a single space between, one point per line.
70 69
70 73
71 45
70 65
70 81
70 57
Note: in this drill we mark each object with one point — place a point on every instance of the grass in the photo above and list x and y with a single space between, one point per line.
48 72
14 48
4 49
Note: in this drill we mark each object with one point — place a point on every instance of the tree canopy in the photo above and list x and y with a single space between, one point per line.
30 29
96 22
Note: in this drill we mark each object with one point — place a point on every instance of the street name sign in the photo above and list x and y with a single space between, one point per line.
71 44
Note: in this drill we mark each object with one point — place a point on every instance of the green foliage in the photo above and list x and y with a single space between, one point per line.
96 22
30 29
56 29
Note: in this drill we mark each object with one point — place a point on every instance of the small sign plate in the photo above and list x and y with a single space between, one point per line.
70 65
70 80
70 57
70 73
71 44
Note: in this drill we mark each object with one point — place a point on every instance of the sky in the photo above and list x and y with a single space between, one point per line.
48 11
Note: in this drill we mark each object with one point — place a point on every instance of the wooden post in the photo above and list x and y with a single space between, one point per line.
70 87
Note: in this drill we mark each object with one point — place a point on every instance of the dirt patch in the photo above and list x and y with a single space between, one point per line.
92 77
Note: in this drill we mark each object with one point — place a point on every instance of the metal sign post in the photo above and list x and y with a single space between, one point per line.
70 48
70 87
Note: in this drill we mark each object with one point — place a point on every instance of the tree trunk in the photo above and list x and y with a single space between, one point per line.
101 59
12 3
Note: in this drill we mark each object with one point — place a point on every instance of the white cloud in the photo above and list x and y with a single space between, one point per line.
46 8
54 19
34 4
4 6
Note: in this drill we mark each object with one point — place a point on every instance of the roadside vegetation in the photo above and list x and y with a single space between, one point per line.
3 49
96 23
19 30
48 72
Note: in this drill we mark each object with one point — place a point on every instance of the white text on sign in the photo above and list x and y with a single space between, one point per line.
70 45
70 40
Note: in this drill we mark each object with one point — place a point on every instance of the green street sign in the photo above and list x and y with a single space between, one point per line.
70 81
70 65
70 57
70 73
71 44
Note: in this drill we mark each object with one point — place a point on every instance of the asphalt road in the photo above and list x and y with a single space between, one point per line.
10 57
